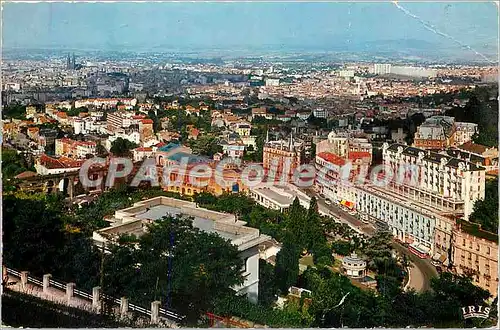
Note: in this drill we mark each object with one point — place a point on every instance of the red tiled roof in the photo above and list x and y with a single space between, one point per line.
359 154
473 147
147 121
161 144
61 162
332 158
147 149
25 174
86 143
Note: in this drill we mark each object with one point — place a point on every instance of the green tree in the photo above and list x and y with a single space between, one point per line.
13 163
198 267
295 223
342 247
286 270
205 145
315 238
486 211
14 111
122 147
267 284
77 111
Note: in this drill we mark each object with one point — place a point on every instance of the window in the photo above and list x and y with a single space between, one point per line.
245 267
488 250
463 244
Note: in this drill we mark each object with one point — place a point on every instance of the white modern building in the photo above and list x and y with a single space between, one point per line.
412 71
408 221
320 113
132 136
380 68
278 197
133 220
272 82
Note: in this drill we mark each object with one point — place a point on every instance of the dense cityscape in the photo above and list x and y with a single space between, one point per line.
273 189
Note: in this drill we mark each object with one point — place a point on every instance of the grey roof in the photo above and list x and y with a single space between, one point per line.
207 225
466 156
435 157
395 146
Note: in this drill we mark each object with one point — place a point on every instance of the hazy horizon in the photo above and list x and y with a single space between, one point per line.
456 29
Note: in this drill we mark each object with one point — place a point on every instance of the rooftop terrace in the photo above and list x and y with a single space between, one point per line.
133 220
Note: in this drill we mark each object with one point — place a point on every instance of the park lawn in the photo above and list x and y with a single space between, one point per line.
307 261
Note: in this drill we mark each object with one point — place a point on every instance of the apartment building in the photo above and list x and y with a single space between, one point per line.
477 153
435 133
74 149
146 131
381 68
105 102
233 149
46 165
119 119
447 183
83 125
439 132
344 143
475 252
243 128
464 132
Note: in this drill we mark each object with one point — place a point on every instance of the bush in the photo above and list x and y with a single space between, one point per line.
239 306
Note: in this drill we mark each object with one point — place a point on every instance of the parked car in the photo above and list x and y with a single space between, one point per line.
435 263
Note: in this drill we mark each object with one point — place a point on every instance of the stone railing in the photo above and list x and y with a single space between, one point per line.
156 313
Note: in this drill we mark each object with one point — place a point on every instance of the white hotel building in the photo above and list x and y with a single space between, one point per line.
419 211
445 183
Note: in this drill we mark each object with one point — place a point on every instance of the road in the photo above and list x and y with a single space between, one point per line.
421 270
336 211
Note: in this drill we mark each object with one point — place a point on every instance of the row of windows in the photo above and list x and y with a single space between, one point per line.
478 247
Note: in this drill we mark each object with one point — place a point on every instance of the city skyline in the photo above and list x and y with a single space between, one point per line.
459 29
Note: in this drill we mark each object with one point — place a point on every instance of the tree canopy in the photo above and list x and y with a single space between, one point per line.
486 211
181 266
122 147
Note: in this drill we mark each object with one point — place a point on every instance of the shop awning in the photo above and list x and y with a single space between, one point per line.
347 204
436 256
439 257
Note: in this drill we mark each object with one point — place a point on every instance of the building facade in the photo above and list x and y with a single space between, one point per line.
447 183
133 219
475 252
281 156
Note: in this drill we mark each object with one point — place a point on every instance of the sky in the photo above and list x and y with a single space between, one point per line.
323 26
